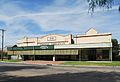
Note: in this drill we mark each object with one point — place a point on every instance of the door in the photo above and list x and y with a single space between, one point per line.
92 55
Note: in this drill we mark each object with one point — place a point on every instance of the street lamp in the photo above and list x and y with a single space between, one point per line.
2 43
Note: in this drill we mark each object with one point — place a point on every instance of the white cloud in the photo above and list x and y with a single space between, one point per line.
58 16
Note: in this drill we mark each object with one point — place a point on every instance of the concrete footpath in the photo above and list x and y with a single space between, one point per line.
58 64
82 67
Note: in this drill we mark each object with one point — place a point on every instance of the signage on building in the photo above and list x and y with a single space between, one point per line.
52 38
42 47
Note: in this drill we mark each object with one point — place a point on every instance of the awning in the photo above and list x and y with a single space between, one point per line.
45 52
89 45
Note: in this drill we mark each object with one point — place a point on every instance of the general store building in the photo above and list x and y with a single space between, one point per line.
91 46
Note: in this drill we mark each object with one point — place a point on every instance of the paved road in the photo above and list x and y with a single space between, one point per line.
40 73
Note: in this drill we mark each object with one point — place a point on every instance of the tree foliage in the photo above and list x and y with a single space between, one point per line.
119 9
115 48
100 3
15 46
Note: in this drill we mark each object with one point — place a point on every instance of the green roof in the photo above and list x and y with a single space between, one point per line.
42 47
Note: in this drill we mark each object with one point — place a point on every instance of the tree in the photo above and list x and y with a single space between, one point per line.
100 3
15 46
115 48
119 8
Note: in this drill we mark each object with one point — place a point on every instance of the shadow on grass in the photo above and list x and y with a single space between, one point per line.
66 77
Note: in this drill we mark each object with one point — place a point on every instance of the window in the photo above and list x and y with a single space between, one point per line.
105 54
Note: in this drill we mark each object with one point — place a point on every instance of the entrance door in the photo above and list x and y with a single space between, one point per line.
92 55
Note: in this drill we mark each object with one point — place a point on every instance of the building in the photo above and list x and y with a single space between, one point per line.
91 46
51 39
94 45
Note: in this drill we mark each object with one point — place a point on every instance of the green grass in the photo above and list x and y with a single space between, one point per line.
99 63
5 60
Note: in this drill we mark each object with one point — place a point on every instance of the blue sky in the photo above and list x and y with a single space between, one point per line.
33 18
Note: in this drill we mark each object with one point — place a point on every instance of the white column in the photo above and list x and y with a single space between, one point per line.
53 58
110 54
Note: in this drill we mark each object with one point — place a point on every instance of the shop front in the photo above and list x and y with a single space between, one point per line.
95 54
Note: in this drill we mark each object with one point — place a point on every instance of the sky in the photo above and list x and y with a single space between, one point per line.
34 18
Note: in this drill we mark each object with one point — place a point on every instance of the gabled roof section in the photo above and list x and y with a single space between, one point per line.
91 31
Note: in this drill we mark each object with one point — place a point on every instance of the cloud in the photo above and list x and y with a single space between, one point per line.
60 16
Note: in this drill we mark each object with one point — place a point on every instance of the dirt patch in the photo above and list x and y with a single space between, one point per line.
43 62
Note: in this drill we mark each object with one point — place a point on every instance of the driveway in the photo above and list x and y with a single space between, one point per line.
11 72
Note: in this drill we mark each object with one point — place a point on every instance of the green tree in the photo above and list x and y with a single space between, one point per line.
115 48
100 3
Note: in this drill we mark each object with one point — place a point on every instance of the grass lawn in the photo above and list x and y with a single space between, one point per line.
98 63
5 60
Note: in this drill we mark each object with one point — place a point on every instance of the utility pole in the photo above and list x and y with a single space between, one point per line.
2 43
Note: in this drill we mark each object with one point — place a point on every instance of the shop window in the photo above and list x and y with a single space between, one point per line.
105 54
